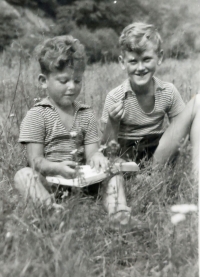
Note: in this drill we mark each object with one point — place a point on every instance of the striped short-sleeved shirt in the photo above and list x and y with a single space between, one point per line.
137 124
42 124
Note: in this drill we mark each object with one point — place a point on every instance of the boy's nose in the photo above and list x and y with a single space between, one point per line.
140 66
70 84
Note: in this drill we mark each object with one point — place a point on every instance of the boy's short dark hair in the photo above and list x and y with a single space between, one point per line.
135 36
61 51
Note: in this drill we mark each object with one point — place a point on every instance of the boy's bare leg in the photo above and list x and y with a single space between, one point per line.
186 123
30 184
114 199
195 141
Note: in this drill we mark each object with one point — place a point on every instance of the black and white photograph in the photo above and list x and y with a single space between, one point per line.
99 138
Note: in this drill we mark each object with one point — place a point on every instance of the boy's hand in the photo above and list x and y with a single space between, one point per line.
99 161
67 169
116 112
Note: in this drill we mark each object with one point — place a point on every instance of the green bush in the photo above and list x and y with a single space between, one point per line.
183 42
91 42
64 20
49 6
97 23
28 44
17 2
100 45
179 29
100 14
10 27
109 44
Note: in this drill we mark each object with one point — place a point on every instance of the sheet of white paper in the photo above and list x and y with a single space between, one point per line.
88 176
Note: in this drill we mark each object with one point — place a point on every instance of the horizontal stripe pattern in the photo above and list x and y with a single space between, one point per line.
137 124
42 124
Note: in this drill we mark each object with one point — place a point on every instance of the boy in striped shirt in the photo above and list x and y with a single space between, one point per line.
59 125
134 112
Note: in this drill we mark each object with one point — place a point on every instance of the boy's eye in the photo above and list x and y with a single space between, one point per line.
147 59
133 61
76 81
63 81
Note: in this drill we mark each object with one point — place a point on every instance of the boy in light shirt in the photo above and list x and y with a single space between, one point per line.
134 111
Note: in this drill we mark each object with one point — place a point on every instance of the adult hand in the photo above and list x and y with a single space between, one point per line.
99 162
67 169
116 111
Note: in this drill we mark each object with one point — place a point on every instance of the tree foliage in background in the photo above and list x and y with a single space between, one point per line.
49 6
9 19
179 30
107 14
98 23
100 14
101 45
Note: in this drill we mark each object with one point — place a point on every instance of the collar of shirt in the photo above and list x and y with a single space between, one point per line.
126 86
47 103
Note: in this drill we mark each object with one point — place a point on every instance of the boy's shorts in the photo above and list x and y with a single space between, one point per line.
139 150
60 191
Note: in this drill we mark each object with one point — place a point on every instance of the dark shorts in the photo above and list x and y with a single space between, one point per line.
139 150
59 191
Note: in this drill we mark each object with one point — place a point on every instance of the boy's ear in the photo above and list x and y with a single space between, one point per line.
160 57
121 62
42 81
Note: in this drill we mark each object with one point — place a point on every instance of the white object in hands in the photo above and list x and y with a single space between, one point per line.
88 176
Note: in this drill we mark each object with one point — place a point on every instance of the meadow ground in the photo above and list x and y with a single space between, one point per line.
77 241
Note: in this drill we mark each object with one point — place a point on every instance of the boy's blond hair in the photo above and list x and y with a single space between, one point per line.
61 51
135 37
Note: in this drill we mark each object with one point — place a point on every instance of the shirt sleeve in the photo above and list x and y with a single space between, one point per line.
108 103
32 128
91 135
177 105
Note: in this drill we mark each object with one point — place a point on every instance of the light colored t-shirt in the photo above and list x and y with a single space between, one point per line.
42 124
137 124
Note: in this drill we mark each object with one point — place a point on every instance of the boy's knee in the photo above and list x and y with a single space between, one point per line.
198 99
23 175
194 106
197 102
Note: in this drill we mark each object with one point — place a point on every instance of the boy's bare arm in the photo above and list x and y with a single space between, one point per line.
172 119
111 128
36 159
95 158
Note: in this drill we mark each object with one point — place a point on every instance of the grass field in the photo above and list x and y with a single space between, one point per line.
77 241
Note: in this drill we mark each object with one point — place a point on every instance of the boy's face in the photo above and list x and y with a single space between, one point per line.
63 87
141 66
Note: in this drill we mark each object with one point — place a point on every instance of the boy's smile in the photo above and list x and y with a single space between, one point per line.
63 86
141 66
